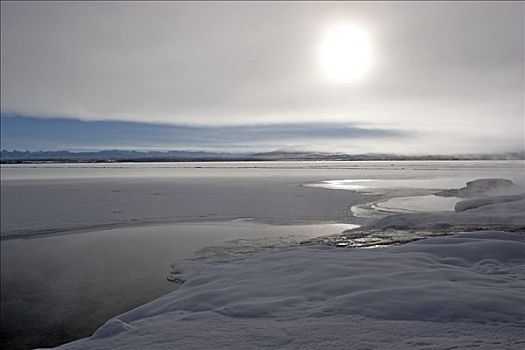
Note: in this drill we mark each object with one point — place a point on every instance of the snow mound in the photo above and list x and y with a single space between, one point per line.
112 327
480 202
466 290
501 214
480 188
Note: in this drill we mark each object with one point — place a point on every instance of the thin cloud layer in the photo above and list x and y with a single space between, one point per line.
448 75
37 134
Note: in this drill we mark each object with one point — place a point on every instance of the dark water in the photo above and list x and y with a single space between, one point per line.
57 289
60 288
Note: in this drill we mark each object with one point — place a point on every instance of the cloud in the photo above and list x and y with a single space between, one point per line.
37 134
448 71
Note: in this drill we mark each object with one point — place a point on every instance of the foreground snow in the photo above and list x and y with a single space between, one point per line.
463 290
460 291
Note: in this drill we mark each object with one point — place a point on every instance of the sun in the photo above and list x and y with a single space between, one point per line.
345 53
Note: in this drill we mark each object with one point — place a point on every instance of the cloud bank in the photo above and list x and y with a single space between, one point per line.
58 134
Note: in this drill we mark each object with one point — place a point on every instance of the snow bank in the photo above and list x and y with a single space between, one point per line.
481 187
457 291
480 202
429 203
503 214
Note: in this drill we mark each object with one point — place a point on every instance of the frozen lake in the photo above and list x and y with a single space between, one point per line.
51 198
94 240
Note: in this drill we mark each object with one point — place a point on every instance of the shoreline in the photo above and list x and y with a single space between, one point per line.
155 222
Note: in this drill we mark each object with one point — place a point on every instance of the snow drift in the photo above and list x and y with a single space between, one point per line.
481 214
463 290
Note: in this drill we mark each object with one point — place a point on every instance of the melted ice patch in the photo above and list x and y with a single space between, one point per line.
417 204
410 204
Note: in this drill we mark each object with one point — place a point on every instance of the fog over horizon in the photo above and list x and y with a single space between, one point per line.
440 78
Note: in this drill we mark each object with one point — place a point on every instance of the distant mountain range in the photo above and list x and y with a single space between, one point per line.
15 156
111 155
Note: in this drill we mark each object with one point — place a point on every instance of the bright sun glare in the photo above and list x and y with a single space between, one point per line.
345 53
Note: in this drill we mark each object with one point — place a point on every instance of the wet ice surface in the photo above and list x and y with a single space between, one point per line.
483 210
406 219
290 236
382 186
425 195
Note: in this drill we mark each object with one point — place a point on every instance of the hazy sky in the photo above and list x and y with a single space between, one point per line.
444 77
